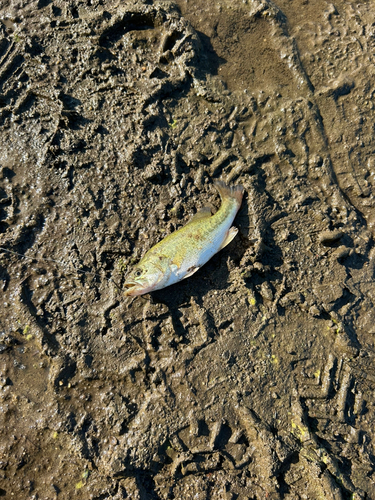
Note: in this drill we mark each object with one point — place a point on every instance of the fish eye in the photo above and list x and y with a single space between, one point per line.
137 273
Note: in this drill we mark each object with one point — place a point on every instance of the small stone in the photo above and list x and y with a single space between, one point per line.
291 298
153 173
314 311
266 291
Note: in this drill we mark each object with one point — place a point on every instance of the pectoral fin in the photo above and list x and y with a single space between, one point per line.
174 268
229 237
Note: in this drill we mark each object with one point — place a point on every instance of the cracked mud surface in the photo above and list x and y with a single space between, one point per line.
252 379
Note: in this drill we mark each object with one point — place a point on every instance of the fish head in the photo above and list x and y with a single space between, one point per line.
148 275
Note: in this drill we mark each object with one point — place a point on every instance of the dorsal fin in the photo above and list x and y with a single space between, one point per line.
203 213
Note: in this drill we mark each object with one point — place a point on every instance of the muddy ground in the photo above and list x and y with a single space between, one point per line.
254 378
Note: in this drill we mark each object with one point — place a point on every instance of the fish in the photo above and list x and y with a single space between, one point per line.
180 254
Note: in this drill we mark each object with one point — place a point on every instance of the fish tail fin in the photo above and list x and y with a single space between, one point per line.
230 192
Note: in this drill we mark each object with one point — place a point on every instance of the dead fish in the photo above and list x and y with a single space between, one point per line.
181 253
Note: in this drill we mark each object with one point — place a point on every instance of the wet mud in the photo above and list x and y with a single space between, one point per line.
255 377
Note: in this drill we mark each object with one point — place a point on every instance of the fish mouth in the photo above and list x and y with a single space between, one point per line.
130 287
133 288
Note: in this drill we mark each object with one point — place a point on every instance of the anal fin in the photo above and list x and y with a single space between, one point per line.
191 271
229 237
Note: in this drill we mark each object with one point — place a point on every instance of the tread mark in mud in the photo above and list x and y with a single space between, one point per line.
312 449
333 406
27 314
164 330
337 388
10 67
205 447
